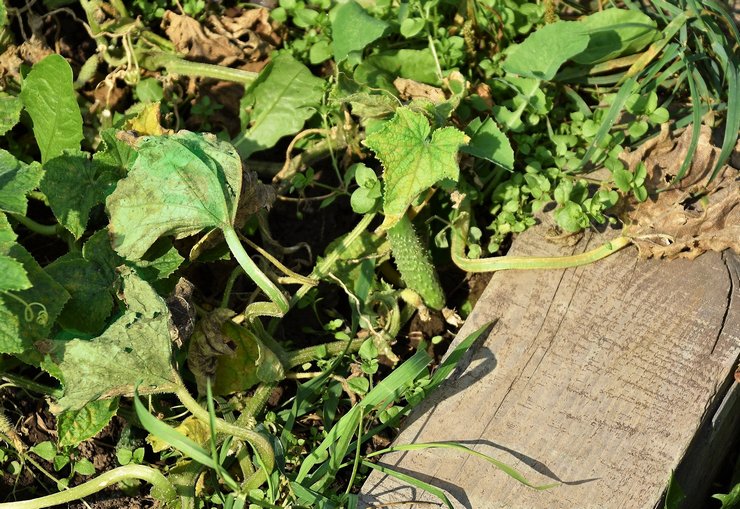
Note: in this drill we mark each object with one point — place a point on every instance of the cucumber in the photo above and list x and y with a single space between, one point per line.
414 263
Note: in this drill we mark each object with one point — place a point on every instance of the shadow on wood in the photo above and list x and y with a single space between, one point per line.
599 377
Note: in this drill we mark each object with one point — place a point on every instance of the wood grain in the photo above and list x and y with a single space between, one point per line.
598 377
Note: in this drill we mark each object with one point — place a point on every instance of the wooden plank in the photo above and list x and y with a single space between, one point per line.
598 376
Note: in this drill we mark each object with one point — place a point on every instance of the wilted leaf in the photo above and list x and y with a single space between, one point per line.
75 426
179 185
135 348
412 161
195 429
352 29
542 53
49 98
694 216
17 179
285 95
74 184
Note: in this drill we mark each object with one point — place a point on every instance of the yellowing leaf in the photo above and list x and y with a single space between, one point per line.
146 123
413 161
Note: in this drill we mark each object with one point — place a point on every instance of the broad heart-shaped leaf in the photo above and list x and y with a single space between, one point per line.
615 32
10 112
284 96
75 426
179 185
49 98
13 276
488 142
136 347
352 29
114 152
74 184
90 289
17 179
542 53
413 161
28 315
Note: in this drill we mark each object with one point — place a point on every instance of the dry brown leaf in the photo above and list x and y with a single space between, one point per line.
410 89
29 52
693 217
198 42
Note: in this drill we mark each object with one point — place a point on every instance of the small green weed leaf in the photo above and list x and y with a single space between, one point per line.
28 315
136 347
74 184
17 179
90 289
366 197
410 27
379 70
280 101
622 179
10 112
674 494
49 99
571 218
179 184
412 160
84 467
353 29
75 426
45 450
488 142
542 53
614 33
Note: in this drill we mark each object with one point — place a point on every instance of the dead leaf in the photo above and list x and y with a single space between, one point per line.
243 41
30 52
694 216
410 89
182 312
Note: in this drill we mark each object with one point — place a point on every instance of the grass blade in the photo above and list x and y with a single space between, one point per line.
413 481
732 123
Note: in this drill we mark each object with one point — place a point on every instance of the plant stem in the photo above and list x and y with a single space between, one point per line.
163 489
31 385
259 277
155 60
255 439
50 230
255 404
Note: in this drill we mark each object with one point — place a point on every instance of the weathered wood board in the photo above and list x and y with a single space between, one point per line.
598 376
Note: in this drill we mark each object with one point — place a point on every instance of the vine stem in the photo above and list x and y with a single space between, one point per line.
154 61
49 230
163 488
266 285
260 443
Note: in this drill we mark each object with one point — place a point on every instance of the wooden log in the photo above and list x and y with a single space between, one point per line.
599 377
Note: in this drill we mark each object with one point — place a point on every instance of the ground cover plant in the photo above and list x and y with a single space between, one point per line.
238 234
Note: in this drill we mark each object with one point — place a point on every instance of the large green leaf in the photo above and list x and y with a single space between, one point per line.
379 70
17 179
615 32
413 161
352 29
90 289
178 185
49 99
12 274
542 53
488 142
10 112
136 347
280 101
74 184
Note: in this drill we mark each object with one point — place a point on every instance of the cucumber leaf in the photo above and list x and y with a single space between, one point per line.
17 179
179 185
10 112
412 160
75 426
285 95
49 98
488 142
73 183
136 347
